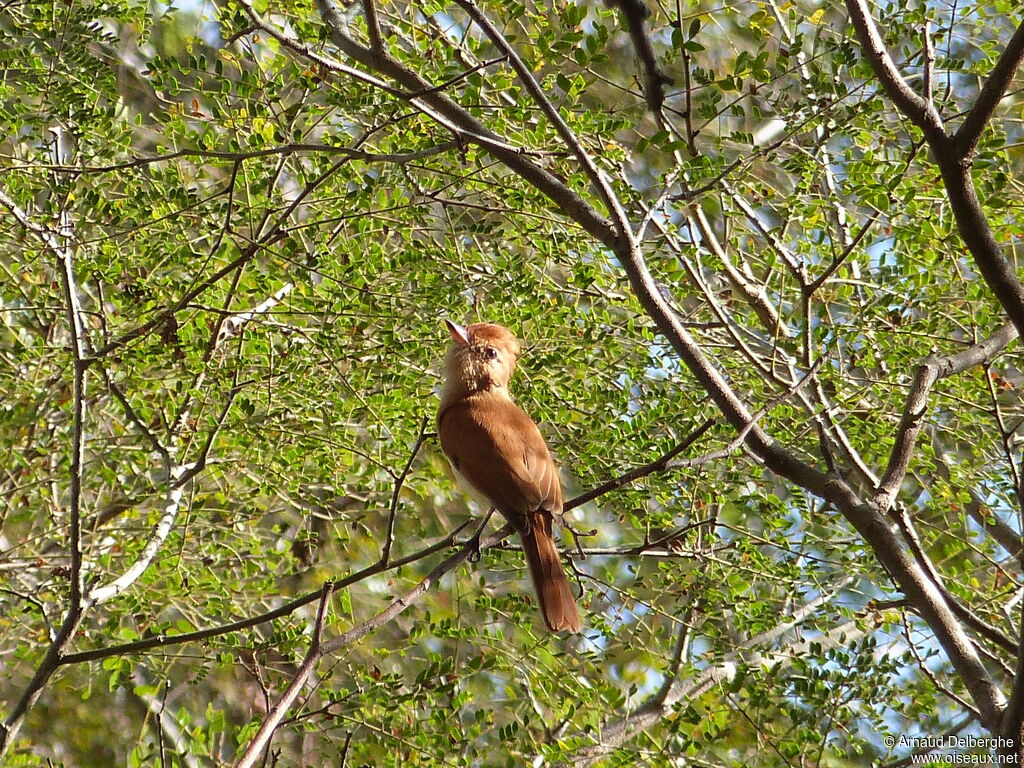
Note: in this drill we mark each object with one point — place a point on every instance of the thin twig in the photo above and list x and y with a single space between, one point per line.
660 464
385 554
251 154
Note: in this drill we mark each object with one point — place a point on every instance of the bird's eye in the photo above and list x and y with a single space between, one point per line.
490 353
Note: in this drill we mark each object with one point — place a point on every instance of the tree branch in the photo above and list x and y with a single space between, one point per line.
979 511
929 372
992 92
373 26
60 246
920 111
319 650
285 149
263 736
952 160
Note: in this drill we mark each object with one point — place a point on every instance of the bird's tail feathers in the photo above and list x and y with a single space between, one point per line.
557 603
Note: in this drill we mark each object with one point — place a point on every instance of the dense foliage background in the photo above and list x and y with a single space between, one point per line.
230 233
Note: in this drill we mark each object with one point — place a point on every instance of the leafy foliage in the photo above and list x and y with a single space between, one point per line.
265 233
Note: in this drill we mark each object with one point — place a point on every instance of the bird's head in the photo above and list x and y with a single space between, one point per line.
482 356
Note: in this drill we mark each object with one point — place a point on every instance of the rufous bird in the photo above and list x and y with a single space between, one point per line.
498 450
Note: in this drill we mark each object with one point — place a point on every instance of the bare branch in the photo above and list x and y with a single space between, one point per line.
449 114
928 673
414 595
838 261
979 511
866 518
163 528
983 628
974 228
796 268
165 721
754 295
929 62
233 323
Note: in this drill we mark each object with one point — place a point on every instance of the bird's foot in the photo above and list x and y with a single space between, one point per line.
474 540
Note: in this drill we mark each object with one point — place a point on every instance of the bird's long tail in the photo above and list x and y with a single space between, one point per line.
553 591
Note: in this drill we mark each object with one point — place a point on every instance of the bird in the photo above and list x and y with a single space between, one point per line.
499 452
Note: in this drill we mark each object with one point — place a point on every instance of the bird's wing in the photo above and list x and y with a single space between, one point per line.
499 450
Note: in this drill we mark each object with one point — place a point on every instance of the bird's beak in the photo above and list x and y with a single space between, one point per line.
459 334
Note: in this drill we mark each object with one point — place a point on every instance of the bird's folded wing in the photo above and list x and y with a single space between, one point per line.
499 450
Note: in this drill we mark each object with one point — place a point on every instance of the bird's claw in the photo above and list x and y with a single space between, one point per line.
474 544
